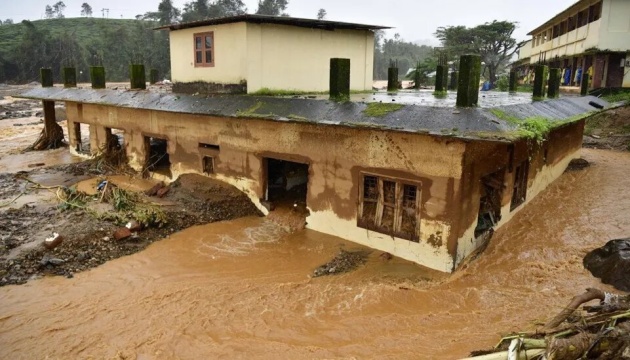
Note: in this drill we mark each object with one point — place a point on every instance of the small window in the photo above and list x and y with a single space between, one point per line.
204 49
208 164
389 206
209 146
519 193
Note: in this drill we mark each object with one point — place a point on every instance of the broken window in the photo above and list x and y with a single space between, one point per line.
491 189
519 192
157 159
204 49
389 206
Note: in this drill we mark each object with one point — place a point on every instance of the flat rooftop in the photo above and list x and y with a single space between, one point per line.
376 110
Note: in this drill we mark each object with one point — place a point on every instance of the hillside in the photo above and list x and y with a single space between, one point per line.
80 42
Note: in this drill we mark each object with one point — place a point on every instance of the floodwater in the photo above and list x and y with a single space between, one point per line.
241 289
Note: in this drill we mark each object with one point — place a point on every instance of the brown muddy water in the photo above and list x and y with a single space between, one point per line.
241 289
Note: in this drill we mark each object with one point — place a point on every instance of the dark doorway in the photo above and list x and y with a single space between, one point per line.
115 139
286 182
158 160
492 186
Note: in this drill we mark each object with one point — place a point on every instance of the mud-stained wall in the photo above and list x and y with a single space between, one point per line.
337 156
547 161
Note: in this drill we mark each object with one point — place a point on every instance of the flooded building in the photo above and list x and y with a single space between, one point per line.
427 184
590 36
250 53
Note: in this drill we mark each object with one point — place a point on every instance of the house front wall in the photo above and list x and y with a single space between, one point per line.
337 159
281 57
230 55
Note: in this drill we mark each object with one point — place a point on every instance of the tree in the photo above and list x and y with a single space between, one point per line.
49 14
231 7
492 41
86 10
8 21
321 14
59 8
167 13
272 7
201 9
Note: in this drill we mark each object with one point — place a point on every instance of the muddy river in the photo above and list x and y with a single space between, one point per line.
241 289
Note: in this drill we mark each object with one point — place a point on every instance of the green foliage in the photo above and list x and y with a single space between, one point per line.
503 83
381 109
321 14
406 54
535 128
272 7
204 9
618 97
80 43
130 205
492 41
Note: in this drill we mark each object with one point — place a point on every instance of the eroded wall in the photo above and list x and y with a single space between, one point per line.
547 161
336 156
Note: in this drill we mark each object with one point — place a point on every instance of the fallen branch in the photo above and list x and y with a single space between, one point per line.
589 295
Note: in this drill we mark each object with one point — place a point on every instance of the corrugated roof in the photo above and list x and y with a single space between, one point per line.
280 20
472 123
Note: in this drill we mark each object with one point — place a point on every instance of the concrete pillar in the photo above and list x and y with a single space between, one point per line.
441 77
553 91
154 76
513 87
69 77
453 83
46 76
392 79
137 76
585 84
540 81
339 86
97 76
468 83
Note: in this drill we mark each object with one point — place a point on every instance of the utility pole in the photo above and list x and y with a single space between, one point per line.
103 12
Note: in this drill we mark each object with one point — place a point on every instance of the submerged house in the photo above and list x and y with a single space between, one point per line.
250 53
427 184
589 36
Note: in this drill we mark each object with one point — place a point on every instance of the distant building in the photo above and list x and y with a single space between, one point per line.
590 34
247 53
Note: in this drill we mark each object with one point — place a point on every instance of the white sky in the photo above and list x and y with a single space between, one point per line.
415 20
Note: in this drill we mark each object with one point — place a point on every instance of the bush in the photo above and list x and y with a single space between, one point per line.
503 83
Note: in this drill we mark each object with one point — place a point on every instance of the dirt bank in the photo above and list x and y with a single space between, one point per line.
609 130
87 229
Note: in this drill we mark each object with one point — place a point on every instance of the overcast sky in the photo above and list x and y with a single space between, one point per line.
414 20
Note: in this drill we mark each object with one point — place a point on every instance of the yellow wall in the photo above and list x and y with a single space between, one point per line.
277 57
294 58
230 55
615 31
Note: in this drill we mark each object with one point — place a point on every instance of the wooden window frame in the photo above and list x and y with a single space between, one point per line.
203 50
519 187
398 207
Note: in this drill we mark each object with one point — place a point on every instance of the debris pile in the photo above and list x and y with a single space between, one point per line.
611 263
344 261
594 332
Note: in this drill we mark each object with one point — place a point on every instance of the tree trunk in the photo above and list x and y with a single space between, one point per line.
52 134
492 75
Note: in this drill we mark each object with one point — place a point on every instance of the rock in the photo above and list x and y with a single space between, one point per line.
52 261
36 165
385 256
596 136
611 263
122 234
134 226
154 190
163 191
53 241
578 164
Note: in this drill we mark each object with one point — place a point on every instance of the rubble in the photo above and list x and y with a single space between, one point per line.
343 262
53 241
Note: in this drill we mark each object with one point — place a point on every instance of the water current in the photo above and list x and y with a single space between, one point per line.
242 289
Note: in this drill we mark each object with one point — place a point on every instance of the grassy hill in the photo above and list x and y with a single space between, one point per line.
80 42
